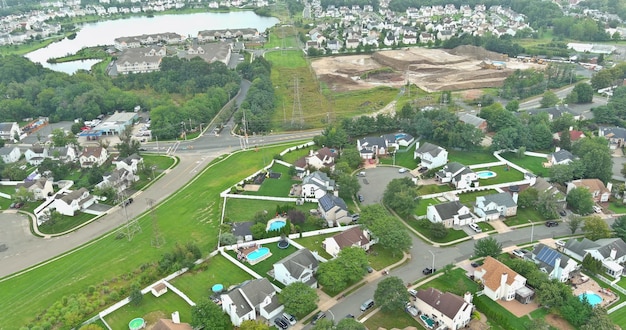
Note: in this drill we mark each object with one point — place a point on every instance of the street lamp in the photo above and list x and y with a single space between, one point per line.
433 267
532 230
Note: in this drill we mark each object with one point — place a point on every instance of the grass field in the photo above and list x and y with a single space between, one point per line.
314 243
523 215
420 210
533 164
469 198
504 174
190 215
433 189
286 59
63 223
151 309
392 320
9 190
292 156
471 157
617 207
380 257
349 104
452 235
238 210
404 159
278 187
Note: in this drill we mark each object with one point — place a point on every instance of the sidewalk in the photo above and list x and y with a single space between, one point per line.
326 302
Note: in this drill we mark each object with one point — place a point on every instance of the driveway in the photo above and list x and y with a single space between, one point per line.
375 181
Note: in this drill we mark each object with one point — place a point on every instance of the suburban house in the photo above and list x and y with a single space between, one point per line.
40 188
131 163
9 130
93 156
473 120
371 147
451 214
299 266
448 309
316 185
70 203
502 283
459 175
560 157
494 206
324 157
10 154
611 251
598 191
173 324
556 265
36 154
574 135
430 155
138 60
615 135
397 140
65 154
333 209
119 179
353 237
249 299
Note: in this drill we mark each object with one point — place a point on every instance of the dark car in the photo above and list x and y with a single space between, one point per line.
551 223
281 323
349 316
562 213
369 269
19 205
475 264
428 271
318 317
423 169
143 149
128 201
361 199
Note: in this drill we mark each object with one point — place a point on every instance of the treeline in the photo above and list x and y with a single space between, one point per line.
503 45
585 29
444 127
526 83
612 6
614 113
608 77
259 104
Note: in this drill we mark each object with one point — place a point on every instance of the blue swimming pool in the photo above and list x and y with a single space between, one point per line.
427 321
257 254
275 225
592 298
486 174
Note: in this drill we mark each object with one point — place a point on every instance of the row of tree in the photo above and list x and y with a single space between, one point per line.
259 104
444 127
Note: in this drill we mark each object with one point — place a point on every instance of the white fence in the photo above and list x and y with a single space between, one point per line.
308 144
493 186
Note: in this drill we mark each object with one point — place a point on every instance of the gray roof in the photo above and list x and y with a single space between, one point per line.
453 167
129 160
446 303
61 150
240 302
613 132
212 52
250 294
329 201
501 199
580 247
562 155
298 261
546 257
242 228
4 151
369 141
5 127
607 244
465 170
321 177
73 195
429 148
448 210
473 120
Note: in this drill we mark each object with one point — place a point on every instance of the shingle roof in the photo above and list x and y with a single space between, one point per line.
473 120
5 127
257 290
351 237
562 155
372 141
448 210
429 148
453 167
591 184
607 244
613 132
494 270
329 201
165 324
4 151
298 261
446 303
580 247
503 199
91 151
73 195
547 256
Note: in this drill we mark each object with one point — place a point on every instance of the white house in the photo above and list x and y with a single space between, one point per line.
459 175
316 185
70 203
131 163
324 157
93 156
397 140
560 157
611 251
599 192
299 266
36 154
119 179
451 214
371 147
254 297
41 188
492 207
10 154
430 155
353 237
451 310
65 154
501 282
333 209
553 263
9 130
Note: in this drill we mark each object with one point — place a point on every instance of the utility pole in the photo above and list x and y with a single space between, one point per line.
157 239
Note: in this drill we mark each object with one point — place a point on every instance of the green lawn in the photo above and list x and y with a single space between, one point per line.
453 234
455 281
238 210
161 162
433 189
422 205
279 187
63 223
353 103
9 190
392 320
504 174
469 198
380 258
266 265
216 270
617 207
287 59
151 309
533 164
190 215
471 157
523 215
292 156
314 243
404 158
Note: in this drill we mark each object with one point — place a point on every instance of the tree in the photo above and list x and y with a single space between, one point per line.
60 138
527 197
299 299
574 223
592 264
438 230
391 234
595 228
136 297
323 324
348 186
599 320
253 325
619 227
584 93
206 314
561 173
512 106
332 276
549 99
487 246
127 145
352 157
227 239
350 324
547 204
354 262
580 200
391 294
401 195
565 141
23 195
553 294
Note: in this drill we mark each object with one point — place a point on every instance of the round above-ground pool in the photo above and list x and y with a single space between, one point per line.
486 174
592 298
276 224
257 254
136 324
217 288
283 244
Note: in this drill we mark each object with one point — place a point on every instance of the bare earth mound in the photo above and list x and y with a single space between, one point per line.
430 69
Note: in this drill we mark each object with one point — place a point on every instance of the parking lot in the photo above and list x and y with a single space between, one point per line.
375 181
42 134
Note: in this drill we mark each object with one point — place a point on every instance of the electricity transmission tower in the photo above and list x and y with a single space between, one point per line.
132 225
296 115
157 239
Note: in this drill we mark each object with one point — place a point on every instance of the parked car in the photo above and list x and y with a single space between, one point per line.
369 269
349 316
423 169
411 309
559 243
412 292
369 303
281 323
475 228
518 253
361 199
402 170
128 201
475 264
597 209
563 213
428 271
551 223
355 217
318 317
290 318
361 174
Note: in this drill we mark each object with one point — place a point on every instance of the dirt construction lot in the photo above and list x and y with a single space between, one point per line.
430 69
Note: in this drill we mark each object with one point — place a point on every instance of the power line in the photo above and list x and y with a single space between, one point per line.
132 224
296 115
157 239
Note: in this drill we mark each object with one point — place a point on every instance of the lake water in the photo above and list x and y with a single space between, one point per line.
103 33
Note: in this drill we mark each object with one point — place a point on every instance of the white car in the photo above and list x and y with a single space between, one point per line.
402 170
597 209
559 243
475 228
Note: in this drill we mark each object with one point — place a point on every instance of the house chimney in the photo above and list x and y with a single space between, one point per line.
417 145
557 268
468 297
571 128
311 153
613 253
609 186
557 149
501 289
515 196
175 317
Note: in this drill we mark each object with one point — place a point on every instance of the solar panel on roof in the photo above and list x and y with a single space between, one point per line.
548 255
327 202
